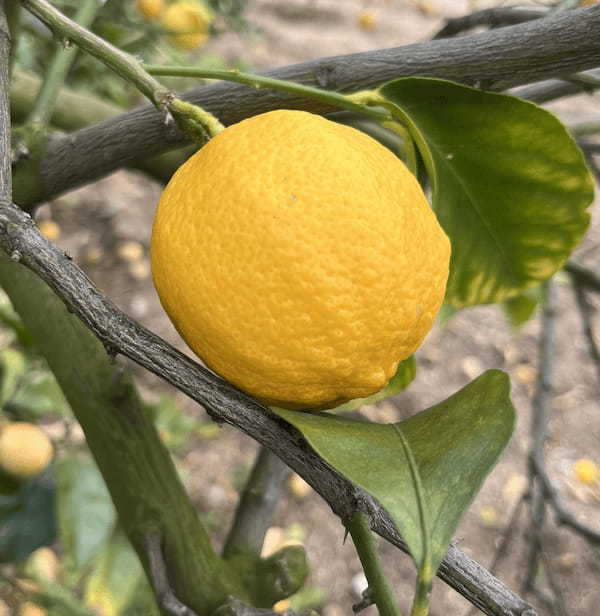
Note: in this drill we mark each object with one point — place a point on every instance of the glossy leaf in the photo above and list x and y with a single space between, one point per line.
86 514
425 470
510 185
27 519
405 375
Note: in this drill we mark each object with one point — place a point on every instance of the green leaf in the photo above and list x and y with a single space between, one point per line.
86 514
520 308
510 185
27 519
447 450
405 375
115 579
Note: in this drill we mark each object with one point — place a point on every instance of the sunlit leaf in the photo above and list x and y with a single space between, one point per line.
510 185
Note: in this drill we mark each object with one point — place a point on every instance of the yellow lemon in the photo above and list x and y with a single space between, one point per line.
25 450
150 9
299 258
366 21
586 471
188 23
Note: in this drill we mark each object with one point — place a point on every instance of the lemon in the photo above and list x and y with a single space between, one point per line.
188 23
150 9
366 21
299 258
25 450
586 471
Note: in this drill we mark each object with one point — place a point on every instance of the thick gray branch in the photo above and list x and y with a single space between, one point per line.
555 46
20 238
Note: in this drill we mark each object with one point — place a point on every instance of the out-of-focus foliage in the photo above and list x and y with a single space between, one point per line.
67 509
124 25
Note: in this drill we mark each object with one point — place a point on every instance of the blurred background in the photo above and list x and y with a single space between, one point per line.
57 528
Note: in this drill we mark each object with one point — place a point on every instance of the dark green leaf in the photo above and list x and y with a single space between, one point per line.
86 514
405 375
27 523
453 446
510 186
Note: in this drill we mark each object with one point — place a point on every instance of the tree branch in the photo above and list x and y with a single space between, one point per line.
495 17
553 89
560 44
20 238
537 465
257 504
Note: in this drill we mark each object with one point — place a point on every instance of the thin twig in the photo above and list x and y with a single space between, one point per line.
553 89
159 578
539 423
124 64
257 504
20 238
197 122
585 311
502 549
584 276
537 464
60 64
495 17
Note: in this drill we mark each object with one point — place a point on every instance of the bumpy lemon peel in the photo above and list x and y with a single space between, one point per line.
299 258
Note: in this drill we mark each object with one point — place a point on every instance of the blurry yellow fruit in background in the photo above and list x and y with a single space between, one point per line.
282 606
150 9
586 471
49 229
299 258
31 609
366 21
25 450
42 564
188 23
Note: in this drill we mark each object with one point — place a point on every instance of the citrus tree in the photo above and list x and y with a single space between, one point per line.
304 261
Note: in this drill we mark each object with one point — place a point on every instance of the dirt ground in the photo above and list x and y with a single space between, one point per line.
97 220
